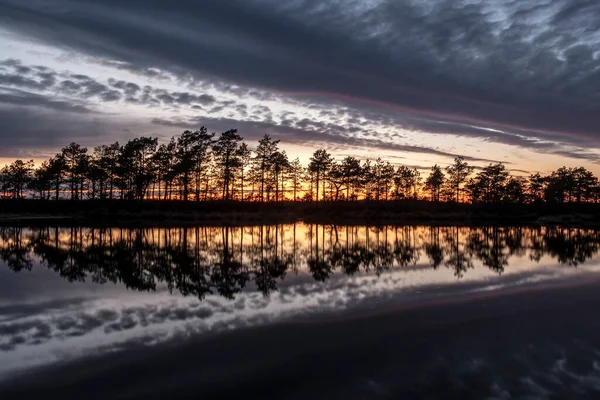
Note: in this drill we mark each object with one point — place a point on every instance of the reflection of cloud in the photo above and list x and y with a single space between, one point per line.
28 331
12 311
100 325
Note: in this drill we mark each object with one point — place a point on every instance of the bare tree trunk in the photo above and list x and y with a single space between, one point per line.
242 187
185 186
317 185
262 184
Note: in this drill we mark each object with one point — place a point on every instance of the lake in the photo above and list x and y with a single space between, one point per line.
300 311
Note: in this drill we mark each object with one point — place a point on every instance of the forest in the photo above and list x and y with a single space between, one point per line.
200 166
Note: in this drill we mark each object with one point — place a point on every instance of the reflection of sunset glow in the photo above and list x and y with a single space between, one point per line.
297 247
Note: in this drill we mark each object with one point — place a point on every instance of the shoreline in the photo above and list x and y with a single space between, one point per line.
176 213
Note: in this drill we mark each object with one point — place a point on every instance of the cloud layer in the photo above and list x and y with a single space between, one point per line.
512 72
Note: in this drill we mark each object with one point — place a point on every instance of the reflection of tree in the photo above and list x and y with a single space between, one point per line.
347 255
514 241
489 245
224 260
227 272
457 259
383 255
269 264
571 246
190 269
320 269
15 250
406 251
433 247
537 245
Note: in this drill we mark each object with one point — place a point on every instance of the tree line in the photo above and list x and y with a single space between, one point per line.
201 166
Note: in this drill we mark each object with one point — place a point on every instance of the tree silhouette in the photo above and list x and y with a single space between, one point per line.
40 181
406 182
193 157
583 182
165 165
56 170
196 166
15 177
366 179
535 187
105 160
245 157
382 175
434 182
280 165
96 174
263 163
136 163
227 159
560 186
516 190
350 172
458 173
295 173
489 185
335 178
76 161
319 165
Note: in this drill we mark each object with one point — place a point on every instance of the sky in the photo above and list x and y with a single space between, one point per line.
416 82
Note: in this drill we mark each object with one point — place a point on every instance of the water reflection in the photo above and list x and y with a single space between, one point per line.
225 260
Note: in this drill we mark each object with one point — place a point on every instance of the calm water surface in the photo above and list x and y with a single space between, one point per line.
300 311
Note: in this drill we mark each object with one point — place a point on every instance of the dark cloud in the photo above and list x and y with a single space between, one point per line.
216 109
152 73
507 64
165 98
579 155
85 87
55 128
153 96
205 99
15 75
21 81
111 95
129 88
13 97
173 124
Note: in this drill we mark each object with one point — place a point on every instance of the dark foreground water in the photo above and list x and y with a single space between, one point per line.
300 311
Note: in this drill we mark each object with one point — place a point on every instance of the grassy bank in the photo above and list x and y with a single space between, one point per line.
235 213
